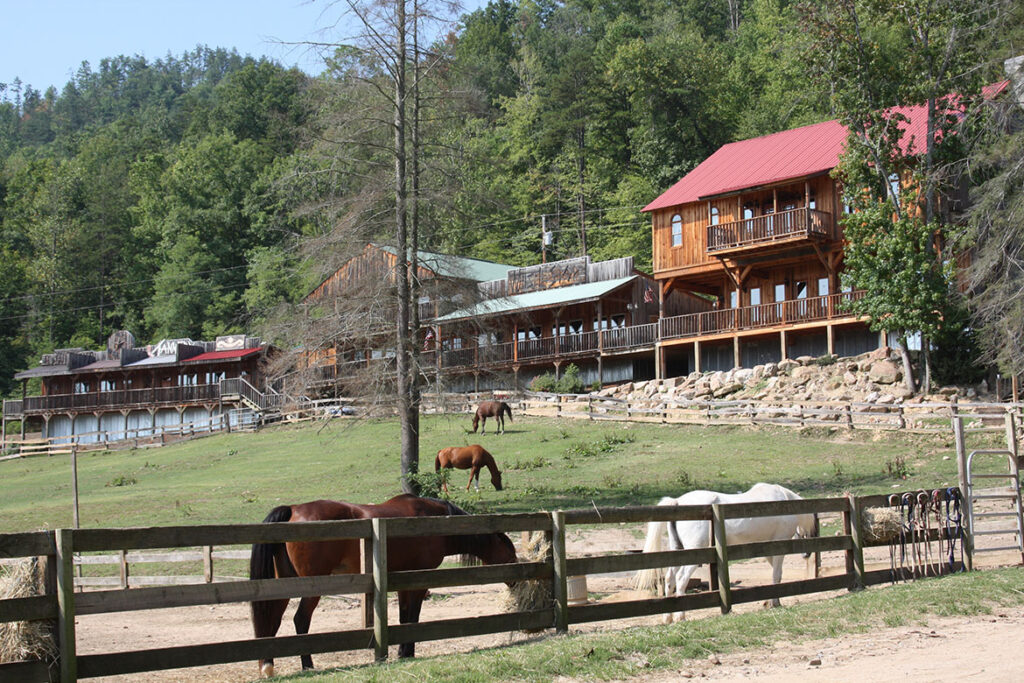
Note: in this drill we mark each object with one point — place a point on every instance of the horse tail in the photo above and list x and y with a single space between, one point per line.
648 579
437 462
266 615
505 409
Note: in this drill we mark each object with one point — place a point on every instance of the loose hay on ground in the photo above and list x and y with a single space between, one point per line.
24 640
534 594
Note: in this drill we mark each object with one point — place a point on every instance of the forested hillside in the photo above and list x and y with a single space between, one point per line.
192 196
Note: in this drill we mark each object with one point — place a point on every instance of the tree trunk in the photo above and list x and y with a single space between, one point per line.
407 410
908 366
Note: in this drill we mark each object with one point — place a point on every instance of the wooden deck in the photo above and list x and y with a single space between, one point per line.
772 229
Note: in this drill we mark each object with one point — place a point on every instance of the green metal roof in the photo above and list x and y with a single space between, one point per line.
459 266
542 299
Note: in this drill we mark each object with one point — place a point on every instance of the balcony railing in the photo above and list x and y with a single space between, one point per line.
123 398
761 230
793 312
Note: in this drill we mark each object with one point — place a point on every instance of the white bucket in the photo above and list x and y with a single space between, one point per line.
576 590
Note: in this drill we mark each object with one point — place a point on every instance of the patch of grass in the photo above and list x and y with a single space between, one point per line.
198 482
123 480
646 650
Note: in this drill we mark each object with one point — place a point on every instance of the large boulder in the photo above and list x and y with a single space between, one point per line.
884 372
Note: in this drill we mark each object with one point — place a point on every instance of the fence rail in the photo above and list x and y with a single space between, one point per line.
62 603
913 417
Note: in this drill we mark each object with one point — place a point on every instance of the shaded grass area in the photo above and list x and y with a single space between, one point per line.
548 464
644 650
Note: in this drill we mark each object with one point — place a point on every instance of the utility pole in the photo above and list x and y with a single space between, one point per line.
545 238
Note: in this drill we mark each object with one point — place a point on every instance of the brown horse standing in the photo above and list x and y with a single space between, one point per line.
472 458
341 556
495 409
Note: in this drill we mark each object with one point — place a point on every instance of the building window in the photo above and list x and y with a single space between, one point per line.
780 292
894 186
822 286
755 296
214 377
677 230
734 299
748 212
80 388
714 215
188 380
812 203
107 385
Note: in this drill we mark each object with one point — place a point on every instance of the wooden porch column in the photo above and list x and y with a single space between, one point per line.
696 355
659 361
830 340
782 345
437 350
515 349
736 360
600 344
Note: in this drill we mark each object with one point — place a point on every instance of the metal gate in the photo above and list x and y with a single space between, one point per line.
975 485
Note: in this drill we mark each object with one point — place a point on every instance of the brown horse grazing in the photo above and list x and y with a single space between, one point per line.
472 458
495 409
270 560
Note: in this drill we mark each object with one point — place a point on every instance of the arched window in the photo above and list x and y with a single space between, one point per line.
714 215
677 230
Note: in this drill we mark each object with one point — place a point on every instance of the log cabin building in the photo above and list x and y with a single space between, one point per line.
499 326
106 394
754 232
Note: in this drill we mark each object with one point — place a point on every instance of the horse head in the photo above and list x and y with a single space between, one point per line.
476 421
496 479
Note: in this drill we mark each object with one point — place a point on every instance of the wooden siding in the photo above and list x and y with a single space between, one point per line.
692 255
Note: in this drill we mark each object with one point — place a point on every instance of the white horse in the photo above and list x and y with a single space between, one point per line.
697 534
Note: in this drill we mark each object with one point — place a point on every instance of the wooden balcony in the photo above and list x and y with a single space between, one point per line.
632 339
764 316
770 230
113 400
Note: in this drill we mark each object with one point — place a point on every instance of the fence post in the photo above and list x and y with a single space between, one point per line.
208 563
722 557
849 415
66 604
380 589
559 589
855 556
967 540
366 599
590 407
124 569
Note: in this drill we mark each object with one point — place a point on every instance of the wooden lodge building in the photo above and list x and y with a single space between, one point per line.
755 229
127 388
498 326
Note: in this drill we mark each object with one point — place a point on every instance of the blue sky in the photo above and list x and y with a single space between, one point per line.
43 42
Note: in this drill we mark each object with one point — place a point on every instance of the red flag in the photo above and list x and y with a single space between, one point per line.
648 296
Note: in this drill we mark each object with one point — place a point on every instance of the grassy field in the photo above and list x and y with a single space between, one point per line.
548 464
649 650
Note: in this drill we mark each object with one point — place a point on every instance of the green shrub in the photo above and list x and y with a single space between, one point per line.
570 382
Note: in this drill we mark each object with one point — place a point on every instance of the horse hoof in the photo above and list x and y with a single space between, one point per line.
267 670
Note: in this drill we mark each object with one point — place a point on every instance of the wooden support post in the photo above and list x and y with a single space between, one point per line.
855 556
559 588
74 484
830 341
380 589
208 563
736 360
66 605
696 355
124 569
961 466
366 599
782 345
721 557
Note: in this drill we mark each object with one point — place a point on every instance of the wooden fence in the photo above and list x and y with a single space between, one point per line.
912 417
62 604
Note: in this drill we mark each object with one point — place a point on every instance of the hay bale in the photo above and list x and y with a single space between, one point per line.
533 594
880 525
24 640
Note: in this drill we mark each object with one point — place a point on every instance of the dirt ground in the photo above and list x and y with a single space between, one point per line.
988 646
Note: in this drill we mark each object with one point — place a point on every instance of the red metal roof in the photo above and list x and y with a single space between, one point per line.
787 155
234 354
